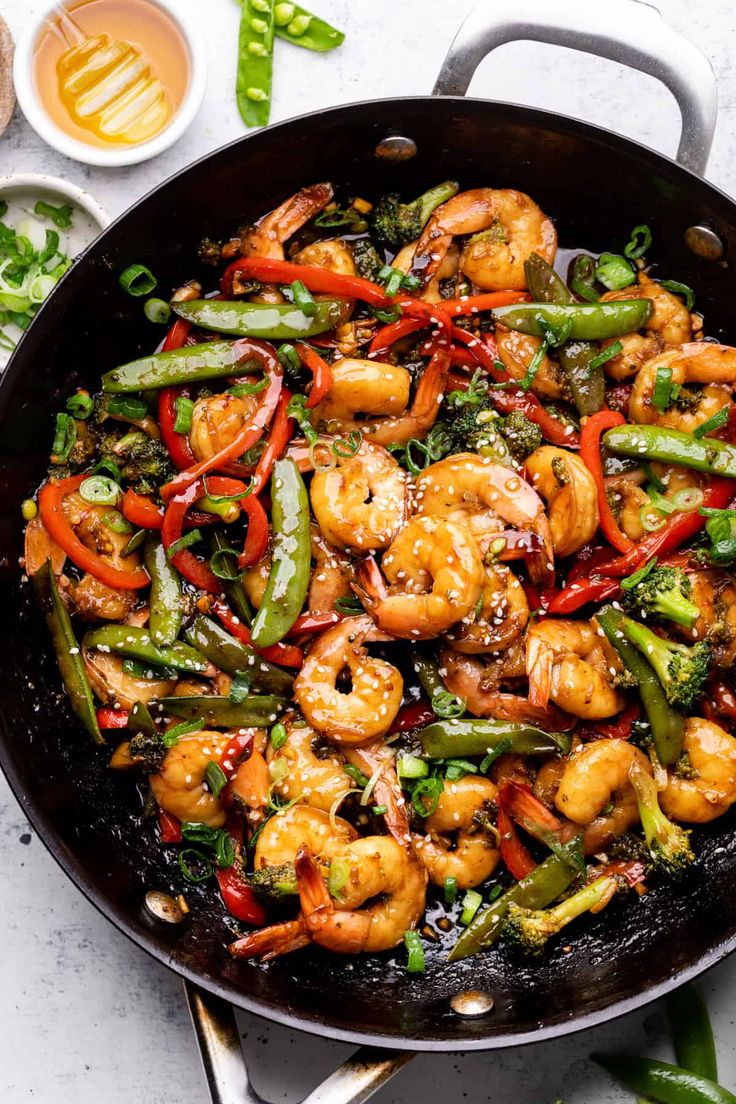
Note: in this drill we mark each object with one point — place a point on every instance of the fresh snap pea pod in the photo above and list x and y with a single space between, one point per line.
230 655
663 1082
68 656
288 579
136 643
297 25
233 587
544 284
673 446
587 321
272 321
537 890
165 601
191 364
257 710
452 738
255 62
692 1033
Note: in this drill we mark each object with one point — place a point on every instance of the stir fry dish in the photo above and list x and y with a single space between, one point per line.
404 568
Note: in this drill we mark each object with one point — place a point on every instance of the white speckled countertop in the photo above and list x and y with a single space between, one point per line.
85 1017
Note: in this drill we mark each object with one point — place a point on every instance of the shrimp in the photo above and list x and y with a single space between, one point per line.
435 571
698 362
499 618
334 255
378 763
330 578
217 420
94 600
570 663
314 775
564 482
706 787
517 350
447 270
484 497
714 593
369 387
286 831
460 811
39 547
267 237
179 785
375 869
366 710
361 503
628 499
112 685
268 943
595 791
670 324
507 227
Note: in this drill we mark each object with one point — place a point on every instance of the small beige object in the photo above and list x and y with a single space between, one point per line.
7 94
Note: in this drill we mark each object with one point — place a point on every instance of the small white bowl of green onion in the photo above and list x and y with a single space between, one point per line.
45 222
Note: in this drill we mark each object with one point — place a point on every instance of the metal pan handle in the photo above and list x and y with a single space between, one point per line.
227 1075
628 31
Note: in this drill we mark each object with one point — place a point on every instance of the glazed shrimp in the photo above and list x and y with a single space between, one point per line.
435 573
366 711
670 324
375 869
448 268
571 664
569 490
507 227
517 350
315 775
92 598
460 813
39 547
706 788
485 497
179 785
595 791
216 420
334 255
499 618
361 503
378 763
286 831
112 685
627 499
714 593
267 237
330 578
697 362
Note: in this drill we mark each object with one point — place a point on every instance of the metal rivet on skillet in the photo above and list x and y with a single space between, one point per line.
164 907
704 242
396 147
472 1002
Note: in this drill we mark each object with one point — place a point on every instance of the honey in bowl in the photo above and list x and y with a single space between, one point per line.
111 72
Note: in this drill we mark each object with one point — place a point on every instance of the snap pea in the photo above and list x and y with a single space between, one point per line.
233 588
255 62
692 1033
191 364
165 602
129 640
673 446
230 655
267 320
544 284
540 888
586 321
288 579
257 710
452 738
68 656
140 719
662 1082
297 25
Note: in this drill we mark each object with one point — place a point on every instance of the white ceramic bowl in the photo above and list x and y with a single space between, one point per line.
35 113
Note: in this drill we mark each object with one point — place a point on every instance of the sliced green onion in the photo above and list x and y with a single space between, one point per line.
304 298
215 778
220 499
240 687
384 315
379 810
650 519
713 423
65 438
357 775
157 310
224 565
349 605
614 271
186 541
347 448
534 365
409 766
712 511
688 499
582 278
458 768
500 749
639 242
172 735
241 389
100 490
137 280
415 963
127 407
108 467
279 736
661 504
290 359
633 580
471 903
136 541
604 356
224 850
393 284
450 890
80 405
495 893
368 790
653 479
682 290
447 705
184 409
115 521
61 216
426 794
194 865
338 876
662 395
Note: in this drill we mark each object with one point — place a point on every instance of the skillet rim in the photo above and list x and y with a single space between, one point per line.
146 940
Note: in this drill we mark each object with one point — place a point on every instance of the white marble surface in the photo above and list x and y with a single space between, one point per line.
84 1016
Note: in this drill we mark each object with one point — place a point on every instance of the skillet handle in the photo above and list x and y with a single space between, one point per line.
356 1080
628 31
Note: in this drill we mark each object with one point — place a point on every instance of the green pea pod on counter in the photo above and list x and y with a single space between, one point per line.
692 1033
452 738
297 25
68 655
165 601
537 890
673 446
234 657
288 579
579 321
137 643
257 710
272 321
662 1082
191 364
255 62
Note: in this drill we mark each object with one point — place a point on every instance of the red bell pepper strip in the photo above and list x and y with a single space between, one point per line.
533 597
513 852
240 900
252 431
256 538
393 332
169 826
235 751
141 511
415 715
581 592
516 799
722 703
288 655
590 454
321 374
177 335
112 718
50 505
321 280
587 560
185 562
177 444
618 729
282 428
314 622
474 304
483 350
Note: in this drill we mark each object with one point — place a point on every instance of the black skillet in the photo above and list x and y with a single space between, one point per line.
597 186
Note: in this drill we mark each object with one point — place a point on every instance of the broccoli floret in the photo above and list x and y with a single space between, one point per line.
683 670
367 260
668 843
522 436
396 223
143 461
273 883
661 592
529 929
148 750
